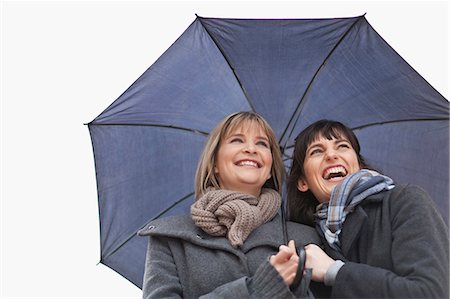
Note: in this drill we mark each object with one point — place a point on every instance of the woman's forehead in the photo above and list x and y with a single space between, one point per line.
244 127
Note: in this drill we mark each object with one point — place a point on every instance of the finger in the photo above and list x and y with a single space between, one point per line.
291 245
294 250
290 279
271 259
277 260
284 248
288 267
282 256
294 258
290 272
311 246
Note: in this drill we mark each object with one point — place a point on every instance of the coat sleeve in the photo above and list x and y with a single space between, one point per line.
419 252
265 283
161 279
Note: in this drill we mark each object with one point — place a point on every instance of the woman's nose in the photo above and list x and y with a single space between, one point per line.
250 148
330 155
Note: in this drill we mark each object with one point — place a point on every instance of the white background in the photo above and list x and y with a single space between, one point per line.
63 63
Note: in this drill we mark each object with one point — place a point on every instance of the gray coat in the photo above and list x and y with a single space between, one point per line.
185 262
395 245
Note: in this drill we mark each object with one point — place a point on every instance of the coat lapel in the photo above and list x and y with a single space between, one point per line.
269 233
352 228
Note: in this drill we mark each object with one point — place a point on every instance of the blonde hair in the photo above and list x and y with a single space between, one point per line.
205 176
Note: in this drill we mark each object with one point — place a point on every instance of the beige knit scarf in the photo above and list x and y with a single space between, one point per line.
233 214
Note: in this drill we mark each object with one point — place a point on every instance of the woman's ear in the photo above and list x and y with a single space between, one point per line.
302 185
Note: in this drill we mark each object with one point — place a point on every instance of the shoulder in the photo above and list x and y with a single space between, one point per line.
169 226
406 201
410 195
409 190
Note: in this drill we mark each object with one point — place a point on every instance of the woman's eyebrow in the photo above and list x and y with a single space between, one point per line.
236 134
263 137
341 140
314 144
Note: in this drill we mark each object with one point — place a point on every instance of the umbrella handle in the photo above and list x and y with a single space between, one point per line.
301 267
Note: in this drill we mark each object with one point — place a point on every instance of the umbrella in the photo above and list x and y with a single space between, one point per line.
291 71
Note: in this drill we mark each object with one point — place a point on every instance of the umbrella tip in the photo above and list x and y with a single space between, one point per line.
363 16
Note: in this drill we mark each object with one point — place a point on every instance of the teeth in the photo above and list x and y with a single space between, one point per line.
248 163
334 170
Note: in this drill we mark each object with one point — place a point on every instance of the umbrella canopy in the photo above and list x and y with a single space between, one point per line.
291 71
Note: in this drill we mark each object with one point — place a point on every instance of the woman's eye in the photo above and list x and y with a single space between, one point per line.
315 152
263 143
343 145
236 140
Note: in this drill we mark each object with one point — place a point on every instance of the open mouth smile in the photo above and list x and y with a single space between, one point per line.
334 172
250 163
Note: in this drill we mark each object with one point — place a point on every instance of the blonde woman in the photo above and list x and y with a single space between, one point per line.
231 244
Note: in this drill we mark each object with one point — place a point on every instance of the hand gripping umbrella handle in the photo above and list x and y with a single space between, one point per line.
301 267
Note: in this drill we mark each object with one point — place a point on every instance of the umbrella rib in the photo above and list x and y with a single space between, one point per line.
377 124
149 125
398 121
155 217
247 97
301 103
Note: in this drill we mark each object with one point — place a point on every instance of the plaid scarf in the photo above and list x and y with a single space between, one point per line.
345 196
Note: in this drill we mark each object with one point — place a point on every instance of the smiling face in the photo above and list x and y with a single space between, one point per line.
327 163
244 159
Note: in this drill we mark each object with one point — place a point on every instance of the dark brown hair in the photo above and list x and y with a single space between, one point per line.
301 205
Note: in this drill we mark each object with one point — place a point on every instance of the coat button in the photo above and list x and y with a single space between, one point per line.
151 227
199 236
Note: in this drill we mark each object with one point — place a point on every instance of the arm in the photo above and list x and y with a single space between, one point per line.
161 278
265 283
271 280
419 253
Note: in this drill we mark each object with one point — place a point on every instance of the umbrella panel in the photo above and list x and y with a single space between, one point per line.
411 154
155 156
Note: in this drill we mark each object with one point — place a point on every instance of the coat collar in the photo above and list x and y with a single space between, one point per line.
183 227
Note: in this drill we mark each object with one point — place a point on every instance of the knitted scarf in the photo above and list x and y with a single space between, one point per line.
233 214
345 196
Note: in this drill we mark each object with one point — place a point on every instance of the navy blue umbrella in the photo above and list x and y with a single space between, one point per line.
291 71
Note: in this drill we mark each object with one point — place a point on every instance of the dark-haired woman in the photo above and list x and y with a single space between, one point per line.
382 240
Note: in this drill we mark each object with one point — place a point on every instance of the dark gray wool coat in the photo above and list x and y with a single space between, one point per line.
394 247
185 262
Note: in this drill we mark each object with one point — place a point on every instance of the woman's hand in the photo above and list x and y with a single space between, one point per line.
318 261
286 262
